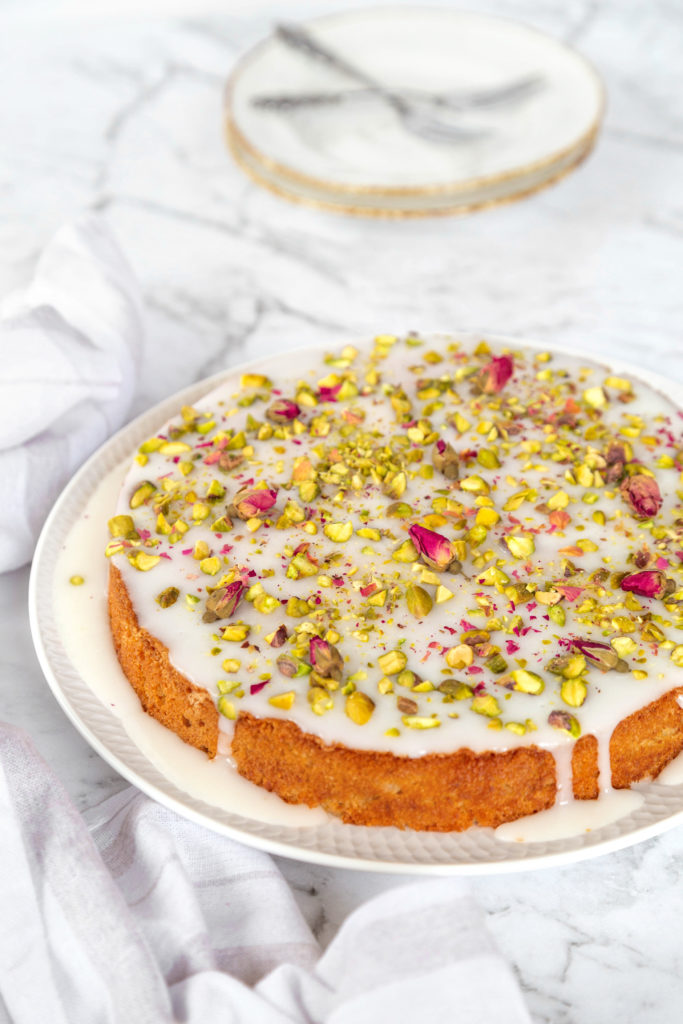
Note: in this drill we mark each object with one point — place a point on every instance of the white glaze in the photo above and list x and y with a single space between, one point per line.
565 820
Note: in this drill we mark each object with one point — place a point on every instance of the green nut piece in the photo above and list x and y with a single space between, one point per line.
142 494
122 526
677 656
574 666
405 552
168 597
496 663
359 707
520 546
557 615
236 632
292 667
320 700
399 510
455 689
392 663
573 692
418 601
226 707
527 682
566 722
265 604
486 705
421 721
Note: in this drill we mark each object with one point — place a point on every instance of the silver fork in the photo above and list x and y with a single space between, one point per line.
412 118
457 100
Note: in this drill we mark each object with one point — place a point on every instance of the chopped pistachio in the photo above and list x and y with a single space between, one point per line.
405 552
527 682
320 700
122 526
421 721
455 689
359 707
486 705
168 597
418 601
392 663
143 561
338 532
460 656
557 614
564 721
284 701
573 692
520 546
142 494
226 707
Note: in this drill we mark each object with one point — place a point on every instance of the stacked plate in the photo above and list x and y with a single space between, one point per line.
437 112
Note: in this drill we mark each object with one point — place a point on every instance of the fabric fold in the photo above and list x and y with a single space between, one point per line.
135 914
70 343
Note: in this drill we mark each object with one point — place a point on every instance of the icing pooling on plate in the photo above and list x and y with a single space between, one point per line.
534 427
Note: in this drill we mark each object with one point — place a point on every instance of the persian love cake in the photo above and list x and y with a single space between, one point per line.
424 583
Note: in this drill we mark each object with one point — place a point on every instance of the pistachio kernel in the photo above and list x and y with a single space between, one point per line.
168 597
359 707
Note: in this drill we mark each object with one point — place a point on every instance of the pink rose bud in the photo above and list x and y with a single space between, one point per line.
434 548
325 658
282 411
641 493
650 583
223 603
250 503
599 654
495 376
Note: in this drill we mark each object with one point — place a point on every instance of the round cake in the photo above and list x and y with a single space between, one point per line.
426 583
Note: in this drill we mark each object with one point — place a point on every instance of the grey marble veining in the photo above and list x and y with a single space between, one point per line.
122 114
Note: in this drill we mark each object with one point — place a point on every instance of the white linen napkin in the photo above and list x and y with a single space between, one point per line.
68 345
144 917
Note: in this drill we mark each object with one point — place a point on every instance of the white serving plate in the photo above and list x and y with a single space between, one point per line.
70 631
358 158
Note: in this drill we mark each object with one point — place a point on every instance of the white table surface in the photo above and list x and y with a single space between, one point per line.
103 108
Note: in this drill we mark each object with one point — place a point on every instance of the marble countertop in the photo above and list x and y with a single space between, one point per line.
122 113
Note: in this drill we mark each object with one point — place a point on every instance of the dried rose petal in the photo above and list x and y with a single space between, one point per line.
650 583
434 548
329 394
282 411
325 658
642 494
249 503
223 602
495 376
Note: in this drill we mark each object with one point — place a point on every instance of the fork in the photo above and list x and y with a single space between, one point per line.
413 119
457 100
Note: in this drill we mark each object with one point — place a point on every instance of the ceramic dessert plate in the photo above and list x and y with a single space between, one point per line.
525 110
71 633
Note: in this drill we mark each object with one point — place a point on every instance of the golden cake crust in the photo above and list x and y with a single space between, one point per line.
436 792
164 693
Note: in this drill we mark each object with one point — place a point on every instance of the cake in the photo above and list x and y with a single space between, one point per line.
423 583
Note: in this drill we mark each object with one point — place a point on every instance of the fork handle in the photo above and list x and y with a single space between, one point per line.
299 39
